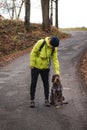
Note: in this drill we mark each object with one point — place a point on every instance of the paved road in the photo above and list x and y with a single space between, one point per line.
15 113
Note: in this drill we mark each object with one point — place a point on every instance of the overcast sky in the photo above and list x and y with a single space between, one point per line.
72 13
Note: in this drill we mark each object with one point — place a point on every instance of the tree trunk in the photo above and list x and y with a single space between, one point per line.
27 15
45 15
20 8
51 15
13 9
56 13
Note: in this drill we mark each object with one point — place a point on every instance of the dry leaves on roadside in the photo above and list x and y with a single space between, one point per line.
13 36
83 66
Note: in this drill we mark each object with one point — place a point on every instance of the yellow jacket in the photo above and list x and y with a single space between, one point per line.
41 59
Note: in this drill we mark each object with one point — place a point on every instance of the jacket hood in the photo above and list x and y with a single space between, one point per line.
47 41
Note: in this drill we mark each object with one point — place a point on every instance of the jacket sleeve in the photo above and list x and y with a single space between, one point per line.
34 53
55 62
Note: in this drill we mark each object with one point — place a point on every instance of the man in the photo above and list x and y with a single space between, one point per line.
40 59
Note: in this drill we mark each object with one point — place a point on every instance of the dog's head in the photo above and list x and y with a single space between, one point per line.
55 79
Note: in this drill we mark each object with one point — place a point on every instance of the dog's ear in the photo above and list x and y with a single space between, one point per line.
53 77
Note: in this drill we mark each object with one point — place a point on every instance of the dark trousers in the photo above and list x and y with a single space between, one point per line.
45 78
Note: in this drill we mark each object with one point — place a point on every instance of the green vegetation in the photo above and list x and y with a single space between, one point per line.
75 29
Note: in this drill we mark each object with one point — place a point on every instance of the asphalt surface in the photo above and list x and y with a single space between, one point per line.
15 113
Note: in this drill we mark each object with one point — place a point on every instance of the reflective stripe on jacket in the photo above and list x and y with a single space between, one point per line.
41 59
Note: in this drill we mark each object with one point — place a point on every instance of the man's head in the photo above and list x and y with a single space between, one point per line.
54 41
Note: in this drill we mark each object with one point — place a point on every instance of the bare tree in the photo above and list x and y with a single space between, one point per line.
45 14
51 14
56 13
27 14
20 8
12 7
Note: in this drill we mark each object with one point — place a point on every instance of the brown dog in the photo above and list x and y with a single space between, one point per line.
56 96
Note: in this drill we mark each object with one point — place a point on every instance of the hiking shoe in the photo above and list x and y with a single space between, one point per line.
47 104
32 103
